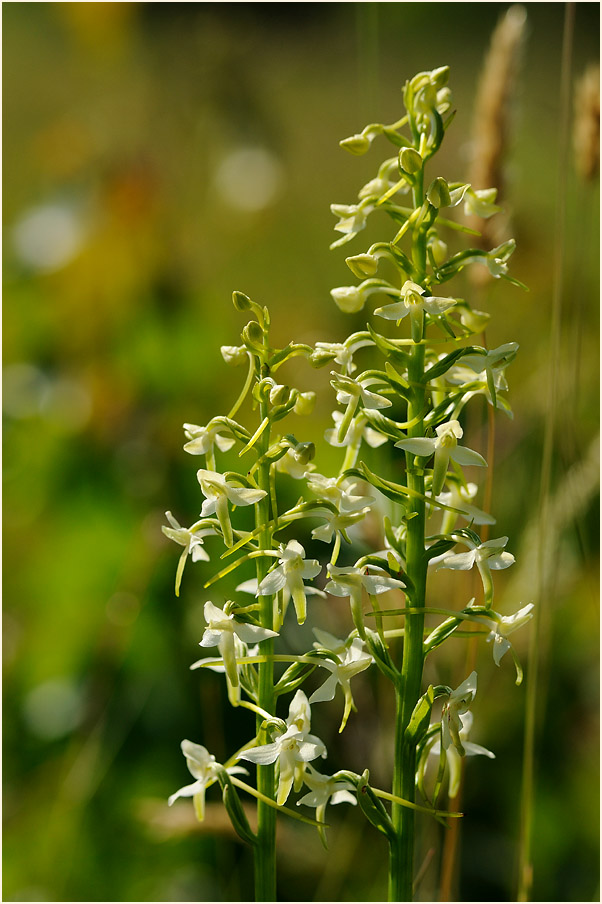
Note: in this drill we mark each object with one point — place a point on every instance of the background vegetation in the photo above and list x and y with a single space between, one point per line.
158 156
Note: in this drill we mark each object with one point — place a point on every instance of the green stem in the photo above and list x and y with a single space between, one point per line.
407 691
265 849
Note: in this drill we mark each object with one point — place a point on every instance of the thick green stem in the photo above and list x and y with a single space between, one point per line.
265 849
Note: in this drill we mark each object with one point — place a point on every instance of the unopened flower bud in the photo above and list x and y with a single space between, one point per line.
304 452
438 193
410 160
349 299
241 301
234 354
305 403
252 336
362 265
356 144
279 395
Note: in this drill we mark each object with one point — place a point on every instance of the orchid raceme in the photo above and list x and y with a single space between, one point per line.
202 766
219 492
292 749
396 495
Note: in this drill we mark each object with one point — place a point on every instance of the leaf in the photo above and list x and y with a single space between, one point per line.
442 366
420 718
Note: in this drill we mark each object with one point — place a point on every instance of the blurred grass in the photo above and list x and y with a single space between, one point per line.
118 118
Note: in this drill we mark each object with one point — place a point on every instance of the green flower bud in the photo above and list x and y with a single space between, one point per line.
362 265
279 395
241 301
410 160
234 354
252 336
438 193
349 299
304 452
356 144
305 403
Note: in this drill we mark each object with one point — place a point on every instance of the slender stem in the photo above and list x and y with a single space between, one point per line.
407 691
265 849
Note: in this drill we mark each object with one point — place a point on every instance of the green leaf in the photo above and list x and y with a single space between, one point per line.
420 718
442 366
235 809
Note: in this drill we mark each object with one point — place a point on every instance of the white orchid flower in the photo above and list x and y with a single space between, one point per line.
191 538
350 392
324 789
290 573
444 446
338 492
480 202
455 706
343 668
294 466
414 302
454 760
351 581
203 767
218 492
293 749
359 430
460 497
336 523
201 440
487 556
352 219
220 632
507 624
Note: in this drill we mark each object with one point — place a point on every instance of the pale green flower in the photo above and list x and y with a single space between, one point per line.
352 219
343 667
218 492
289 574
351 581
486 556
480 202
351 299
203 767
191 538
201 440
293 749
454 759
413 301
455 706
359 430
220 632
339 492
324 789
444 446
460 496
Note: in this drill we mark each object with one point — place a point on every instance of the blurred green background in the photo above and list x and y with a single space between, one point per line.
156 157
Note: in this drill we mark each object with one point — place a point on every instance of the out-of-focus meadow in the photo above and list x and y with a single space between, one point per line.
156 157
